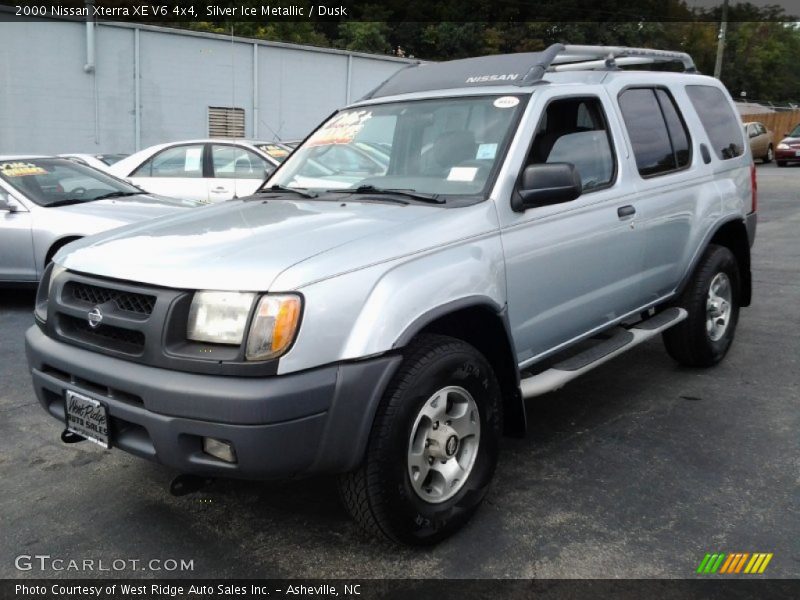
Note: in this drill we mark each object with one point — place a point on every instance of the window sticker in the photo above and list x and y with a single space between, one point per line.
486 151
506 102
462 174
193 159
274 151
21 169
342 129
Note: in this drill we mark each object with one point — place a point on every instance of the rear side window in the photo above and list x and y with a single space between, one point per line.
657 131
721 124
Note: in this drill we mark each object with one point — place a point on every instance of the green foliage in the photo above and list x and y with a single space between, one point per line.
761 54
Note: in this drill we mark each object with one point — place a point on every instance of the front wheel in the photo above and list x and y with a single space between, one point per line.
433 447
780 163
712 300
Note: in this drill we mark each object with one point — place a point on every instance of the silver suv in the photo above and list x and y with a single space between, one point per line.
469 235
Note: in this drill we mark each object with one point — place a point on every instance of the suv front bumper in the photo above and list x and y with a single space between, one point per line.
317 421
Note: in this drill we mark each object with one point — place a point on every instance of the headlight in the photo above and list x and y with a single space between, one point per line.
274 326
783 146
219 317
45 286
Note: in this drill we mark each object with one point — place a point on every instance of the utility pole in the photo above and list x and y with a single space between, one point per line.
721 42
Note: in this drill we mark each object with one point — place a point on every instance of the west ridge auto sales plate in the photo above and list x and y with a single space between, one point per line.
87 417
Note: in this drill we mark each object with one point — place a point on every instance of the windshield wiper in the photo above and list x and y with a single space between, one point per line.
409 193
116 195
68 201
285 188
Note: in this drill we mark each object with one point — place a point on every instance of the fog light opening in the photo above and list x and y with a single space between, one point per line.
219 449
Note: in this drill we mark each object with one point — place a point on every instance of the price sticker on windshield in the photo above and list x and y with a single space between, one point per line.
342 129
20 169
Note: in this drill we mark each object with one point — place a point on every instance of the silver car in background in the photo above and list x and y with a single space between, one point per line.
46 203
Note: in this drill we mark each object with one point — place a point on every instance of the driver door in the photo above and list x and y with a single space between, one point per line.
574 267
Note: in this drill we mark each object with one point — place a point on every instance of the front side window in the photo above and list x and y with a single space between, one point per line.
233 162
718 119
180 161
657 132
61 181
574 130
446 146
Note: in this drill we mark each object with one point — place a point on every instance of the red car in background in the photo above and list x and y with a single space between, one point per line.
788 150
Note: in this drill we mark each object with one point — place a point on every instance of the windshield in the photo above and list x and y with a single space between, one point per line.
445 146
795 132
51 181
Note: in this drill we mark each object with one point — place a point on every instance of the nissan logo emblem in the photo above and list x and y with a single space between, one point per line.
95 317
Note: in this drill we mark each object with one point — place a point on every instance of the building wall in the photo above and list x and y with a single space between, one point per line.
50 105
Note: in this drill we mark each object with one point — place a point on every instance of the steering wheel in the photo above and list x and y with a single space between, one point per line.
78 191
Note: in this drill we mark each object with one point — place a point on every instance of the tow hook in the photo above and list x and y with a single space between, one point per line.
69 437
188 484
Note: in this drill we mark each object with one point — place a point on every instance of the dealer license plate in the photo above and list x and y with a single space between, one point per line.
87 417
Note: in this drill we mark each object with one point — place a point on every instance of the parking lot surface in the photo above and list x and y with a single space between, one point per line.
635 470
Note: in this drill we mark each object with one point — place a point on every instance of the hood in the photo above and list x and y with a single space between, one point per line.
794 141
237 245
129 209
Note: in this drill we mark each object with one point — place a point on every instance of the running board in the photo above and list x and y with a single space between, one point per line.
622 341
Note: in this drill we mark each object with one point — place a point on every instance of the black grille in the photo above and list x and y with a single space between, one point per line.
83 293
107 336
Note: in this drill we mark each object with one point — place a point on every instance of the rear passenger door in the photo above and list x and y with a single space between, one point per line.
236 172
671 191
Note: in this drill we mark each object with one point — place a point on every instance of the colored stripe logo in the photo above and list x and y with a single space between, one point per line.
734 563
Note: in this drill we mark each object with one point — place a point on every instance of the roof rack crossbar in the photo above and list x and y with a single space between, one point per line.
589 57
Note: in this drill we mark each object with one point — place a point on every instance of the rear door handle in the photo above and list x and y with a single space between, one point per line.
220 190
624 212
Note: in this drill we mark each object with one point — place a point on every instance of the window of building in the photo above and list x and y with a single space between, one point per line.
225 122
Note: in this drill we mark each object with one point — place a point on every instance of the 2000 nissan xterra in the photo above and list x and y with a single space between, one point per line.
468 235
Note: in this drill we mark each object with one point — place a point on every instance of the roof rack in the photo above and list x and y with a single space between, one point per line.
521 69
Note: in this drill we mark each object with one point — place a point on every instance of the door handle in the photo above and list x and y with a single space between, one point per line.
220 190
626 211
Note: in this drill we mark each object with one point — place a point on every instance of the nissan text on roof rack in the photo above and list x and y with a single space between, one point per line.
532 217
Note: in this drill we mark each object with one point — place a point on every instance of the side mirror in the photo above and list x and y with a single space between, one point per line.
6 203
545 184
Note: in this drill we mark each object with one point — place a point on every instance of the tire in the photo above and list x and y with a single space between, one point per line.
780 163
380 493
769 155
703 339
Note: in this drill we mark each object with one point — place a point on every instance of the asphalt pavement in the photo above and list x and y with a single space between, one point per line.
636 470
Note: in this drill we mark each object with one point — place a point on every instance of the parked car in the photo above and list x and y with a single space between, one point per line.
46 203
788 149
98 161
203 170
537 218
760 141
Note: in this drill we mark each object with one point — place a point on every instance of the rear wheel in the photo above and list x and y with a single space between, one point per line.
433 447
712 301
769 155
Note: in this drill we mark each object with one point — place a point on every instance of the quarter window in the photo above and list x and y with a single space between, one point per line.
181 161
721 124
657 132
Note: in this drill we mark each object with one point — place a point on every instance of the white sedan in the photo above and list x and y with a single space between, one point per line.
204 170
